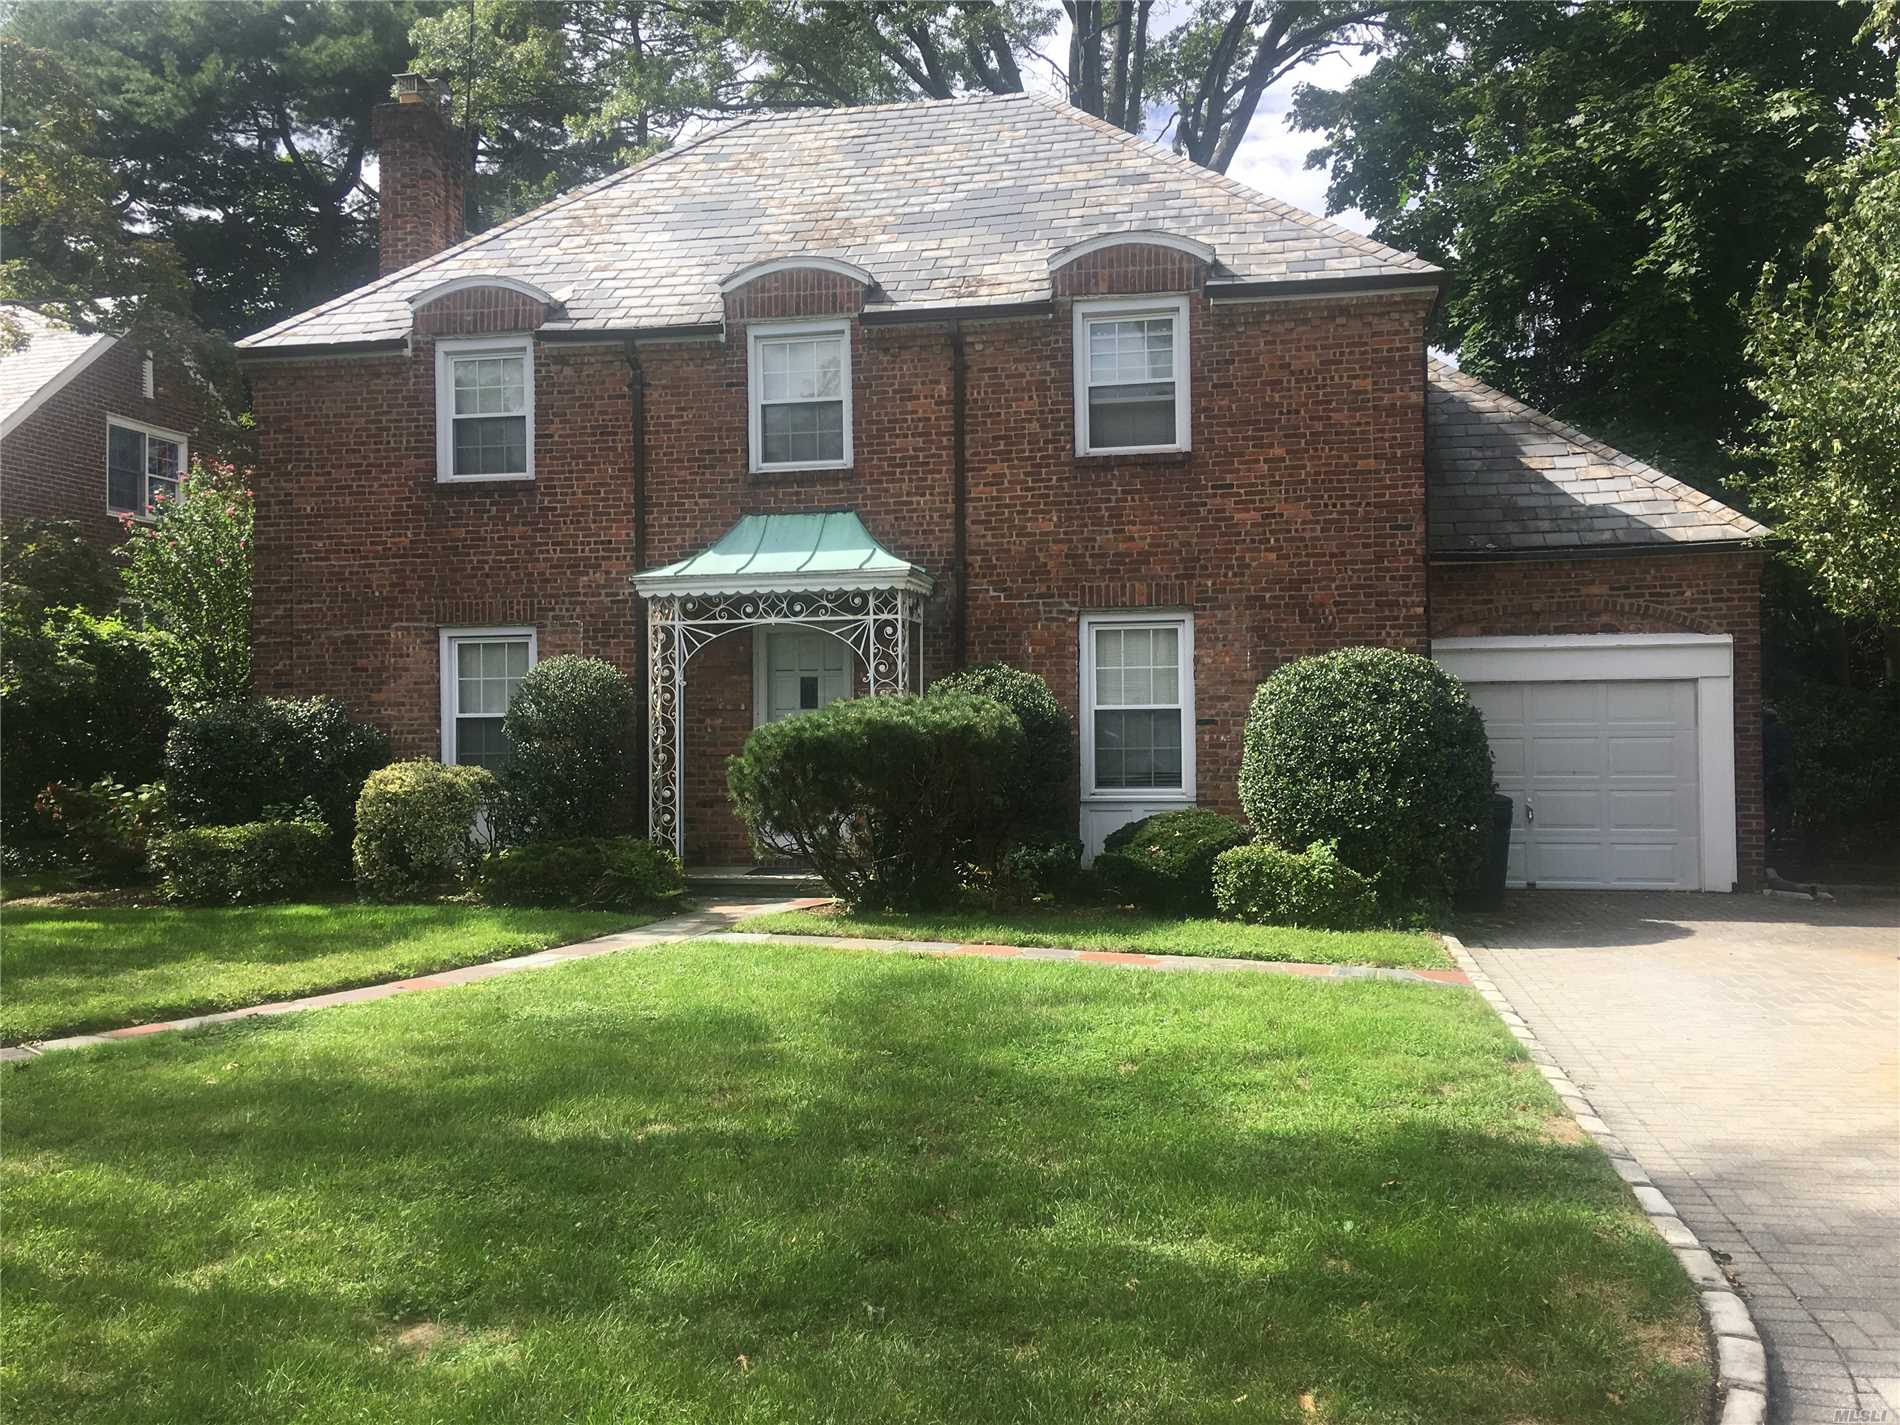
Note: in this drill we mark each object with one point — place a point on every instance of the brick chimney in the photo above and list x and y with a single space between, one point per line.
422 166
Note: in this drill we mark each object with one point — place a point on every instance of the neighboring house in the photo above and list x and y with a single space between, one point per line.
828 403
92 427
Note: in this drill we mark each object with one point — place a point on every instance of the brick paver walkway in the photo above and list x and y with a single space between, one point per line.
1747 1050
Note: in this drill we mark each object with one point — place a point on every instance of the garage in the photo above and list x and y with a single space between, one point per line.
1617 752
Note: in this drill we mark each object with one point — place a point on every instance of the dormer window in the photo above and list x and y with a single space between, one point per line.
800 382
1131 376
484 409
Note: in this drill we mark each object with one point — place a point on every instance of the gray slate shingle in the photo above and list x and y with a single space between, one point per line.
49 349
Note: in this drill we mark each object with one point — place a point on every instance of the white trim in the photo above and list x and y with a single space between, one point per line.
757 332
101 344
447 638
753 271
1137 618
145 428
480 279
916 581
1122 308
1147 237
1706 658
446 352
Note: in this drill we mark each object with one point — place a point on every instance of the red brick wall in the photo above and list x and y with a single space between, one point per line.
1129 267
1716 592
478 311
53 464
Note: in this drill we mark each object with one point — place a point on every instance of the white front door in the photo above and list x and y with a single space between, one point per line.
1604 780
798 670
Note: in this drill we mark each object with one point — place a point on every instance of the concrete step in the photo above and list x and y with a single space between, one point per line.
755 880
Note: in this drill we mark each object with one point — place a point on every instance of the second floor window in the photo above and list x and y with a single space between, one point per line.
800 381
1131 376
142 467
484 412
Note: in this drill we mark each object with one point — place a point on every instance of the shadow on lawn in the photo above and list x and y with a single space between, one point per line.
924 1200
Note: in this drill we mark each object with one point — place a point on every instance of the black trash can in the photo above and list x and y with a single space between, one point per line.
1489 892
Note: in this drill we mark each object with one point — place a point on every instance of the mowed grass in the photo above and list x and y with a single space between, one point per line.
64 971
1110 929
775 1184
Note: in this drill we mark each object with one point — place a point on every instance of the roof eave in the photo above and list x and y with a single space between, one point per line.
911 579
1595 551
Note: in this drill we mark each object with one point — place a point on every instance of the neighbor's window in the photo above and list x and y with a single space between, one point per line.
1139 694
481 668
484 410
800 379
142 465
1131 383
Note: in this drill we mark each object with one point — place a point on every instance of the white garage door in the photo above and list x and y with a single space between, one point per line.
1604 777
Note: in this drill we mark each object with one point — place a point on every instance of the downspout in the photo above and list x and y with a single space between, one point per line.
960 501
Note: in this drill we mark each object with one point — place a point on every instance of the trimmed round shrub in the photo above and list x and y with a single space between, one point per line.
242 865
1382 753
1037 787
601 872
419 828
1263 884
570 763
1038 866
1165 862
879 795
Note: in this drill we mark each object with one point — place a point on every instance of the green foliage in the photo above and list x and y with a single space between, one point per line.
1845 781
1038 787
101 832
591 872
570 769
1039 866
1263 884
242 865
418 828
880 795
48 564
190 567
233 762
1165 862
1380 752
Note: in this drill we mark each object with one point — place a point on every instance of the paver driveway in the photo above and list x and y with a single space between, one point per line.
1747 1050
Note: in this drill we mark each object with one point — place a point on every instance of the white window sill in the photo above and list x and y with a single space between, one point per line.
484 479
1125 796
826 467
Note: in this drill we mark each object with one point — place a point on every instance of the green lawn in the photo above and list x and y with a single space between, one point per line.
1108 929
64 971
766 1184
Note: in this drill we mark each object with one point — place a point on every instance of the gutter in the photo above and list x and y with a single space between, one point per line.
1589 551
964 312
1291 289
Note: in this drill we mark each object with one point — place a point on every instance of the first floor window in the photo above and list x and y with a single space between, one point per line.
1138 690
142 467
481 668
484 410
800 380
1131 376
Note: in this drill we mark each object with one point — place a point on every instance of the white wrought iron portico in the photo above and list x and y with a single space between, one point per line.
820 571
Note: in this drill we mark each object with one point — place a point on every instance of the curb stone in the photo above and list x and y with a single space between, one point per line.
1741 1365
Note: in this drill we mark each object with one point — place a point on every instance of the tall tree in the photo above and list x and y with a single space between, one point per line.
1605 182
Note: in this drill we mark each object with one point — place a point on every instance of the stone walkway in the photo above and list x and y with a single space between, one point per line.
1747 1050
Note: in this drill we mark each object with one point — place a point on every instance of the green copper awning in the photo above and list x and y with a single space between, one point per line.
787 553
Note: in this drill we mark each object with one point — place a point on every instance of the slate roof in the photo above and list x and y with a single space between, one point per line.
954 202
1503 478
51 356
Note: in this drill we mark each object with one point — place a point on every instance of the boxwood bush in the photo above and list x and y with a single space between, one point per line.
570 764
242 865
1036 789
880 795
1269 885
1165 862
419 828
1383 754
602 872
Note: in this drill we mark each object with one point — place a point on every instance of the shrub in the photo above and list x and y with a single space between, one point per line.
880 795
605 872
101 831
1841 795
1382 753
1269 885
1036 788
49 564
1044 866
241 865
419 827
1165 862
570 765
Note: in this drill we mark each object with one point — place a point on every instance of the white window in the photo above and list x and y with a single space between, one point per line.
1138 705
481 668
484 409
1131 376
800 381
142 466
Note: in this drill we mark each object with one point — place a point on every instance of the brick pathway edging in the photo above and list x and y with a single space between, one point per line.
1741 1363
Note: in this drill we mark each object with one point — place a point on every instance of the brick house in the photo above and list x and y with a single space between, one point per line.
830 403
91 426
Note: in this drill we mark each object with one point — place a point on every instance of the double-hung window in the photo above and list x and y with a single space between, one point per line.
481 668
800 383
484 409
1138 695
1131 376
142 466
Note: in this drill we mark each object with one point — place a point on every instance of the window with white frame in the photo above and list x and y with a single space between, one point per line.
484 409
1138 695
1131 376
481 668
142 466
800 381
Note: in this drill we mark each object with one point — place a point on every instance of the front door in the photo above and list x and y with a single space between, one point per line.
799 670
